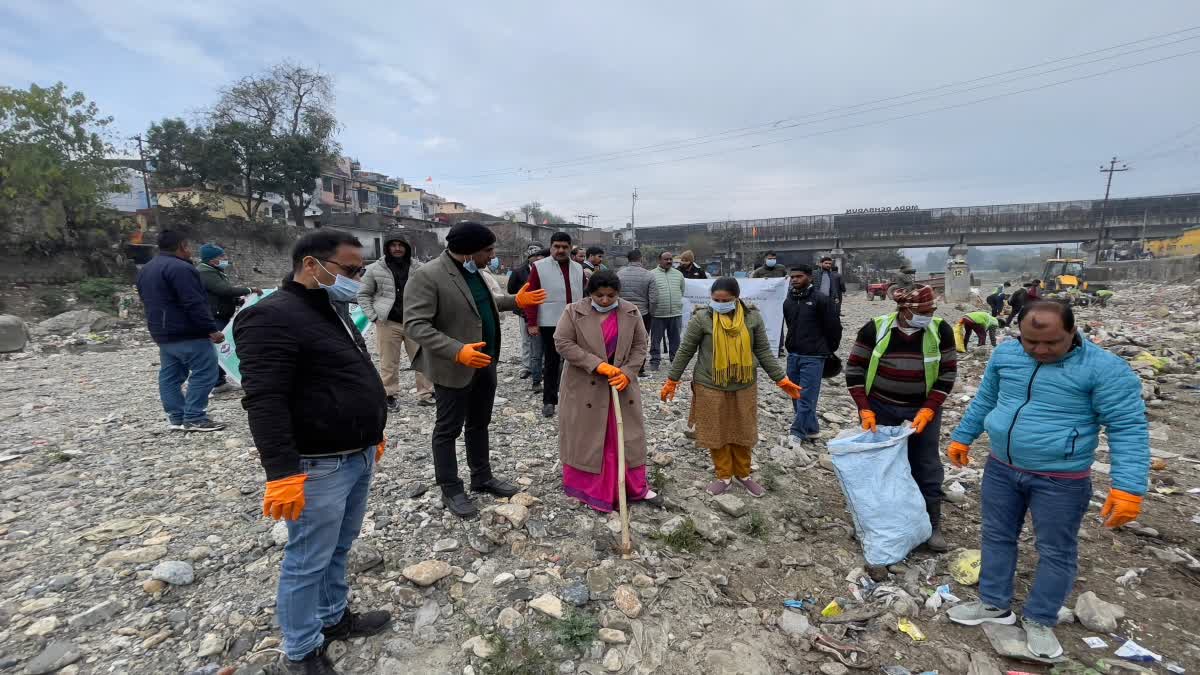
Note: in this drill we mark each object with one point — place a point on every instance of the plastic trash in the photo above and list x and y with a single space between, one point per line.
1132 651
944 592
1148 359
832 609
965 567
960 342
884 500
910 629
1095 642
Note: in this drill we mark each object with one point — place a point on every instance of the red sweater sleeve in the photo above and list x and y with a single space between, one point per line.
531 312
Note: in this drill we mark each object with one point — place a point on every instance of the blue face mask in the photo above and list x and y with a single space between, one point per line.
494 264
920 320
770 262
470 266
723 307
223 265
344 289
600 308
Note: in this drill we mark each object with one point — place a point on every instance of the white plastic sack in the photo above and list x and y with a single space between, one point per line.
887 506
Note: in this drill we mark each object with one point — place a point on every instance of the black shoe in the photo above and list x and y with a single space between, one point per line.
357 625
536 386
548 410
460 505
393 405
642 372
203 425
525 374
426 401
937 543
498 487
315 662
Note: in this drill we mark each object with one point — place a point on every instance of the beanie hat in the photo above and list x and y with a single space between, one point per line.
467 237
210 251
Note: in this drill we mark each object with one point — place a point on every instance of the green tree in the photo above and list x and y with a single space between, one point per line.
534 213
53 170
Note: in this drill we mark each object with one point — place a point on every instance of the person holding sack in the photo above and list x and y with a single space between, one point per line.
731 340
603 342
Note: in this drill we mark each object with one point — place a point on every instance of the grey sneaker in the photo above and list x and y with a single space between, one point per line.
205 425
1040 640
975 613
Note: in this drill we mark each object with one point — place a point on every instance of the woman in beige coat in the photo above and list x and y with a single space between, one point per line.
603 343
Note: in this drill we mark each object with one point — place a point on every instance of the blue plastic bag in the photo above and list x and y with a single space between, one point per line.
885 502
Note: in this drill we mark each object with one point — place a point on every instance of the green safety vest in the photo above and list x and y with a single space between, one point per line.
930 346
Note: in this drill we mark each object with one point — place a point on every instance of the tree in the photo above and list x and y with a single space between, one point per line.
701 246
880 258
292 107
534 213
53 170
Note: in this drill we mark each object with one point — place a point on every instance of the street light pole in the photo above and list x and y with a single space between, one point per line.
146 182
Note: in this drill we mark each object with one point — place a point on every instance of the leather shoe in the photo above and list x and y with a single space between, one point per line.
937 543
315 662
498 487
460 505
354 625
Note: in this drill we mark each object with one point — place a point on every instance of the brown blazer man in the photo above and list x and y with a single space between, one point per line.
450 313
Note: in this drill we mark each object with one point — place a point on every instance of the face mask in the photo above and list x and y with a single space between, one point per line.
470 266
600 308
723 307
920 320
344 289
494 263
223 265
771 262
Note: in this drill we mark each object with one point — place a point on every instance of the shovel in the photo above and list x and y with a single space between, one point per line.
626 546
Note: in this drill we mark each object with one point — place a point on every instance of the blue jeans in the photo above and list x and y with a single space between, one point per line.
534 364
312 580
191 361
806 371
1057 505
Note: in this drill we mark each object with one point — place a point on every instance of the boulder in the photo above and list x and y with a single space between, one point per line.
1097 614
548 604
13 335
76 320
426 573
627 600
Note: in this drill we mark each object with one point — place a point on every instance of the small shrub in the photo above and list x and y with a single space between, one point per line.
659 479
684 538
576 631
757 525
769 476
52 301
100 292
515 657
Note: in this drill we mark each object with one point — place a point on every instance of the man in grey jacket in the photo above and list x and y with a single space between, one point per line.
380 298
666 306
636 282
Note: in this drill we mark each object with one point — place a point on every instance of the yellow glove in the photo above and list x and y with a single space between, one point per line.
285 497
471 357
668 390
790 388
1120 508
868 419
379 449
528 298
922 420
959 453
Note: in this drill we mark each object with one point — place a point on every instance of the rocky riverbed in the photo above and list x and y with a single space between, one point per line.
125 548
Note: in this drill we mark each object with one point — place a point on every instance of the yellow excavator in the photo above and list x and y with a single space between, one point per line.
1070 274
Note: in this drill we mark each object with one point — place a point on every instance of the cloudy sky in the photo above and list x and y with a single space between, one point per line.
714 110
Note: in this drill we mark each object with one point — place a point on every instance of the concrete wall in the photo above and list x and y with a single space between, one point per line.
1182 268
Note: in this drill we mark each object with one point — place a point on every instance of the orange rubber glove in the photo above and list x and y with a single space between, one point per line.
868 419
615 377
471 357
922 420
528 298
379 449
1120 508
959 453
790 388
285 497
668 390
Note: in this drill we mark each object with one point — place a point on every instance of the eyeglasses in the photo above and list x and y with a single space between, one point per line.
351 271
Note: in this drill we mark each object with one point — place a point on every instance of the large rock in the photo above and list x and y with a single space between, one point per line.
795 623
363 557
13 335
174 572
56 655
548 604
96 615
144 554
76 320
426 573
514 513
1097 614
731 505
627 600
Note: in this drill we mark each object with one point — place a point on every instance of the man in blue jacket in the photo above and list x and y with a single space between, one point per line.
181 322
1042 402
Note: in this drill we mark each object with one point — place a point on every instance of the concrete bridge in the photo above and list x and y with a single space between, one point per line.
902 227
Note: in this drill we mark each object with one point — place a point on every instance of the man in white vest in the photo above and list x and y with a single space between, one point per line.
562 279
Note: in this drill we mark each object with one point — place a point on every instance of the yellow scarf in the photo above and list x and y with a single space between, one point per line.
733 360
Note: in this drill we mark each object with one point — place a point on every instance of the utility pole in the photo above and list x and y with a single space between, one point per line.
1110 170
146 182
632 220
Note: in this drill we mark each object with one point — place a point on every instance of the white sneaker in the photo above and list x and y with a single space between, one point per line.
1040 640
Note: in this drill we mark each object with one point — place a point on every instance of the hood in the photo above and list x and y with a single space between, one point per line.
407 259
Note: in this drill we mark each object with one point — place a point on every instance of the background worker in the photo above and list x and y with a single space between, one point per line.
980 323
223 297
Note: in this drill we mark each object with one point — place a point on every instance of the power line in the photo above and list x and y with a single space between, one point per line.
792 122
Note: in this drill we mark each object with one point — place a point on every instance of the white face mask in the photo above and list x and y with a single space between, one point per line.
723 307
602 309
920 320
771 262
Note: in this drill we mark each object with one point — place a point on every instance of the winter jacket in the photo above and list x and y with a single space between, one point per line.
175 299
517 279
310 387
378 294
837 287
666 293
813 327
692 271
764 272
636 285
698 341
1047 416
222 295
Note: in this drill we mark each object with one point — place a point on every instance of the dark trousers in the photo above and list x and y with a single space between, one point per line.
552 367
659 327
646 321
923 457
471 407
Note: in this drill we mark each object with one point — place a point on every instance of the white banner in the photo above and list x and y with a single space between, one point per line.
767 296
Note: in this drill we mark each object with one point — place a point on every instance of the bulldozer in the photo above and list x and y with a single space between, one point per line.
1067 274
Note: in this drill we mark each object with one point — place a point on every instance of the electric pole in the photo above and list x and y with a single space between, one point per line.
632 220
1110 170
146 182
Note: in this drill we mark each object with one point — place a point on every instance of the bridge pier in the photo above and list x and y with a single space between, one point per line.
839 259
958 275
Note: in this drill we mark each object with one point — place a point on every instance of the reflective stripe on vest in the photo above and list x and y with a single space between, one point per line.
930 346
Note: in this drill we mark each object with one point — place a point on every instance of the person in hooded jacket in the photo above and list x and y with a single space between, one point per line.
223 297
381 300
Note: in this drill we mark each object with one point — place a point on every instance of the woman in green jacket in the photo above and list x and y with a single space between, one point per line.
731 339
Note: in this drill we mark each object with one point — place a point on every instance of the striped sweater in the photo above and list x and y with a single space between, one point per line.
900 380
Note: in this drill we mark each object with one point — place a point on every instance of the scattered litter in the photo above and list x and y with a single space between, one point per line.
1148 359
896 670
1095 642
956 493
944 591
1174 667
798 604
1131 577
910 629
1132 651
1158 463
832 609
965 567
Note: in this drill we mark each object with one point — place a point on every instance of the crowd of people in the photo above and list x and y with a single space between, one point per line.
317 405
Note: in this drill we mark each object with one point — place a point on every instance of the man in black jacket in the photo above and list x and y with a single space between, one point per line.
317 410
813 334
828 281
223 297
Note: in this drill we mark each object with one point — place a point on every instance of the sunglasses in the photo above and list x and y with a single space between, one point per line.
351 271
